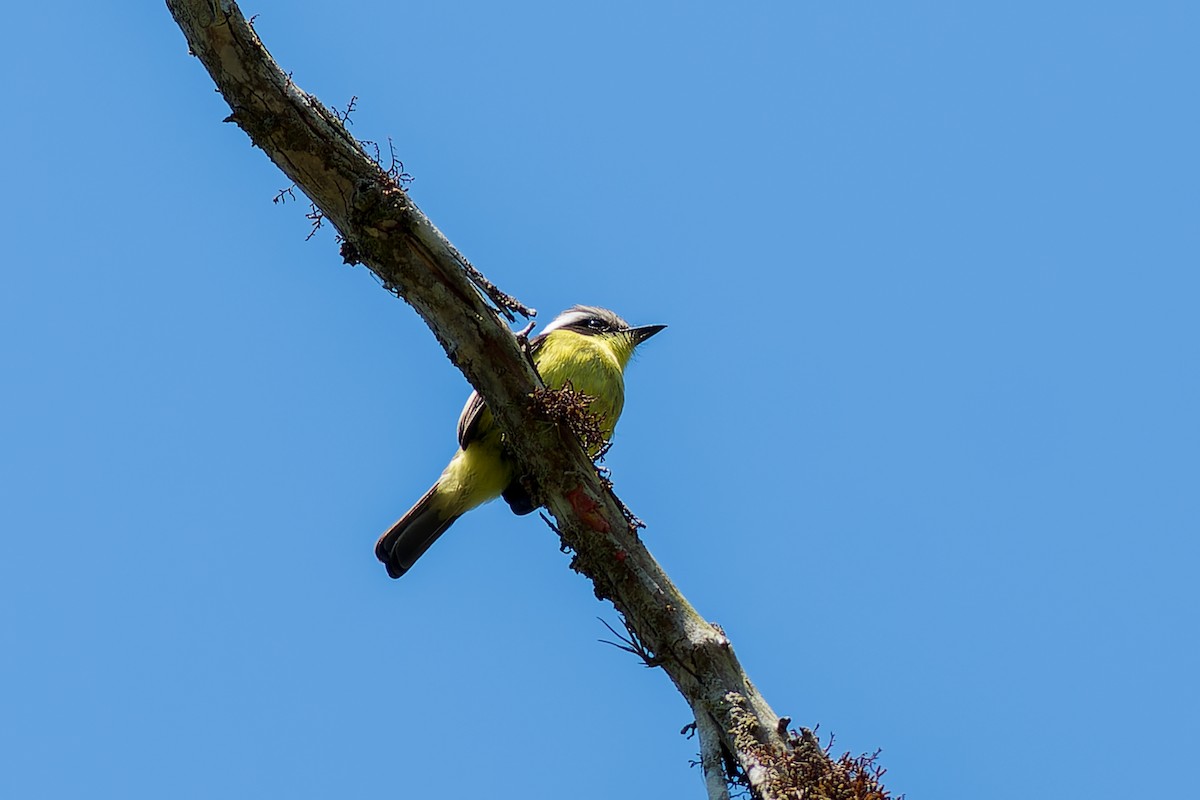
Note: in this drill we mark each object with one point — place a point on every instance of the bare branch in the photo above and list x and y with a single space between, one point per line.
711 759
383 229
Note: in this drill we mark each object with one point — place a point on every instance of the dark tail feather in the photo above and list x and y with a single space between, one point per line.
412 535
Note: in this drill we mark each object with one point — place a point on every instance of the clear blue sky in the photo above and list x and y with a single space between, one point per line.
922 435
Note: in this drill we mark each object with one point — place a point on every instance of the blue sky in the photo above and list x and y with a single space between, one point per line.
922 434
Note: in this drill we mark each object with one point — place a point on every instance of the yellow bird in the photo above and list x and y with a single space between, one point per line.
585 346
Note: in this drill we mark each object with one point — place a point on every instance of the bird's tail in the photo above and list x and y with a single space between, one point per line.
413 533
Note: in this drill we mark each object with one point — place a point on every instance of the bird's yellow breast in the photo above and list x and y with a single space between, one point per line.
592 365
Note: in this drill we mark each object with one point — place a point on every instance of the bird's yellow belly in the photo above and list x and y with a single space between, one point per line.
482 471
590 369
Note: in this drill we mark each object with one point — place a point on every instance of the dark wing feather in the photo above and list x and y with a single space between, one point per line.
468 420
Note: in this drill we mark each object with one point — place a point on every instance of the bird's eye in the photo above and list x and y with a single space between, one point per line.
597 324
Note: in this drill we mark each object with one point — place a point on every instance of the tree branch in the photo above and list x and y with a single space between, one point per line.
383 229
711 759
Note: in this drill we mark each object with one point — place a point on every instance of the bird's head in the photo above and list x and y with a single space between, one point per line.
594 321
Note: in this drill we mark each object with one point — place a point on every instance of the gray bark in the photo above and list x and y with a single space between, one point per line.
383 229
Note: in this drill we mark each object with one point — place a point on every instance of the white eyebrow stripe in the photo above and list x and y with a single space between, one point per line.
566 318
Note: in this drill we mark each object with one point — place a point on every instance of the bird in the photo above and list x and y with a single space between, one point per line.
585 347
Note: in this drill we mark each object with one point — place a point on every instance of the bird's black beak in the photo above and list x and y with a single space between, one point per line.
644 332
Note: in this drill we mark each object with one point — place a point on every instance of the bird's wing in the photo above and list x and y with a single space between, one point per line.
468 420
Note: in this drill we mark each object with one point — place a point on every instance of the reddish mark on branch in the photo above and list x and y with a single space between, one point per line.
588 509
